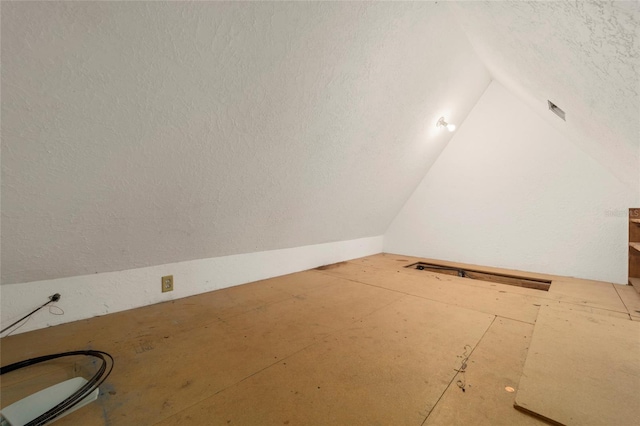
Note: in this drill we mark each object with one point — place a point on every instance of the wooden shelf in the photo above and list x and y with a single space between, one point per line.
634 247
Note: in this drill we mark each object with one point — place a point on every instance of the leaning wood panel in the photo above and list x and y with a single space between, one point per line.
572 378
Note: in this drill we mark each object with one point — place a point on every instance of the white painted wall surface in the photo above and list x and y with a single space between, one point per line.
145 133
99 294
582 55
511 191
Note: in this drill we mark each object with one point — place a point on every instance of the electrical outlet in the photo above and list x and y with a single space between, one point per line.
167 283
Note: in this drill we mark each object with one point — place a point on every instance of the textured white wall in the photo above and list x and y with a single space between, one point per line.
582 55
99 294
511 191
147 133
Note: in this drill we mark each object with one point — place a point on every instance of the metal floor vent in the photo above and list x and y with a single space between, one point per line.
534 283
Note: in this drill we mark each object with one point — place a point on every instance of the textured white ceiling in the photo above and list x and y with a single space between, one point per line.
582 55
136 134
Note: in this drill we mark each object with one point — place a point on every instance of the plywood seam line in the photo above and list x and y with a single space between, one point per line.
377 310
196 402
587 306
256 372
623 304
622 300
226 318
270 303
516 320
426 298
456 375
546 296
369 284
335 331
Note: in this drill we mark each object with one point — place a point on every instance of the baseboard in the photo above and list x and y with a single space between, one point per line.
99 294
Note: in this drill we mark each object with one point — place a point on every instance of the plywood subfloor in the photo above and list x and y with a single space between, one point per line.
364 342
494 366
631 299
388 368
582 369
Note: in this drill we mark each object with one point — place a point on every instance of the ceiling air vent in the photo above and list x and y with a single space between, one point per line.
556 110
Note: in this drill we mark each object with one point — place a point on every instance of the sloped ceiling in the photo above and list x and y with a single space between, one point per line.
137 134
581 55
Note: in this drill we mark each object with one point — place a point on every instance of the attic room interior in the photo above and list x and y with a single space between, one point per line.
320 213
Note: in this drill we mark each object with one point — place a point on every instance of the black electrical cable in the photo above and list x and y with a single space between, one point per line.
75 398
52 299
461 272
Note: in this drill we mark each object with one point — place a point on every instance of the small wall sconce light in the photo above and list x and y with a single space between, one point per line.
442 123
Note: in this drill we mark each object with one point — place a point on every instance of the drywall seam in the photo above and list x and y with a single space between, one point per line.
87 296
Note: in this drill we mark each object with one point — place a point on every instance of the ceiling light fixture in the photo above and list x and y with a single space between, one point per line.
442 123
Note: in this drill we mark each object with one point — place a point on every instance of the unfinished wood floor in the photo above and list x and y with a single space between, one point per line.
366 342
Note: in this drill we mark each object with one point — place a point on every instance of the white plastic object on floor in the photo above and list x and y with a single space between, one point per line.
22 412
